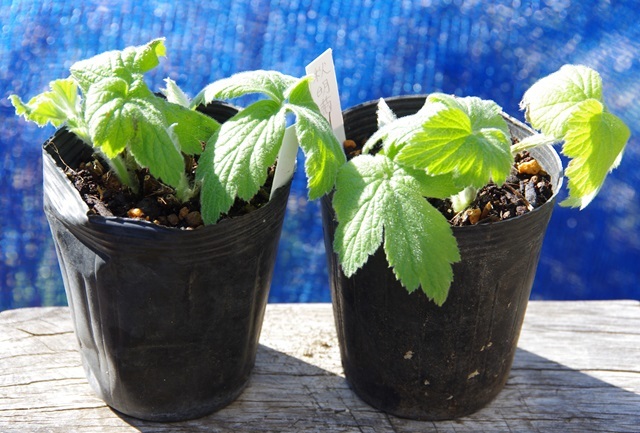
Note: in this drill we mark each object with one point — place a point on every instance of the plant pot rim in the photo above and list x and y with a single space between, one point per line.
123 223
524 128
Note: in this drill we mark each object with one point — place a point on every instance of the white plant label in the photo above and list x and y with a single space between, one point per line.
286 160
324 89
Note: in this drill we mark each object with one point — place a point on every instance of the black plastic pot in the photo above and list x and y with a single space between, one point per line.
406 356
168 320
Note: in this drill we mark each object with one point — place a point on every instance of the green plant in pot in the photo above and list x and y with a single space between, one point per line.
166 223
436 224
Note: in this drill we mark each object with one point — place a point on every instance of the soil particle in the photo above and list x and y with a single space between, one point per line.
527 187
106 196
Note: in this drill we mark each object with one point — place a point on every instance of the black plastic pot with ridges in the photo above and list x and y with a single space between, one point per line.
168 320
403 354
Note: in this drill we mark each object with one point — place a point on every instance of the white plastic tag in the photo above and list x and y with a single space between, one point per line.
286 159
324 89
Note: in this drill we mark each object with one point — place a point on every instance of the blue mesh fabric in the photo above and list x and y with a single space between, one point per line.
489 49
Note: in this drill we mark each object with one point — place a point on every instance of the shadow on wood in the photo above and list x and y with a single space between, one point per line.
297 384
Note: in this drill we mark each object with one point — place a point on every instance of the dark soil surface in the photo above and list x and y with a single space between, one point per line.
155 202
526 188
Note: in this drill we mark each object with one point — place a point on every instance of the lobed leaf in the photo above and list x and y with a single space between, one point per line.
57 106
374 196
120 116
466 137
568 105
550 101
128 64
595 140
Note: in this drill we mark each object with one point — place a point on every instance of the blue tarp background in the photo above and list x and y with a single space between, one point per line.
468 47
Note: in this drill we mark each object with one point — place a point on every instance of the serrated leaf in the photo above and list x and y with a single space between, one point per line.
376 197
56 106
324 155
110 119
357 201
550 101
271 83
595 140
119 116
466 137
236 158
128 64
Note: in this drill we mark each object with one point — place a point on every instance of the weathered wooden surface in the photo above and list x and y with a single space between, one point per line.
577 370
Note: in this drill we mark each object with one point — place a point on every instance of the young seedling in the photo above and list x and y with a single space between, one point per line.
451 147
106 103
235 161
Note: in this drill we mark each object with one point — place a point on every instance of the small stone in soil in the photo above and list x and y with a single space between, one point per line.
193 219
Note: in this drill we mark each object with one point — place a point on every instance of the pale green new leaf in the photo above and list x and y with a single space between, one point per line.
237 156
57 106
377 197
110 119
323 154
395 133
128 64
385 114
551 100
192 128
568 105
595 140
155 146
271 83
174 94
466 137
119 117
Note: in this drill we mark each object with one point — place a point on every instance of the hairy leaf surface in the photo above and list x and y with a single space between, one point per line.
236 158
568 105
375 197
595 141
466 137
324 155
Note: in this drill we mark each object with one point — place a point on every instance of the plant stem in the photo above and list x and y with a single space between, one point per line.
533 141
119 166
184 192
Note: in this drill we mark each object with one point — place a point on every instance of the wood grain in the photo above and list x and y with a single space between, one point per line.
577 370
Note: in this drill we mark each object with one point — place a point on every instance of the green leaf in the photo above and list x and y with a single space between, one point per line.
395 133
156 147
466 137
110 119
128 64
236 158
174 94
595 140
324 155
568 105
271 83
120 116
385 114
377 197
192 128
551 100
57 106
